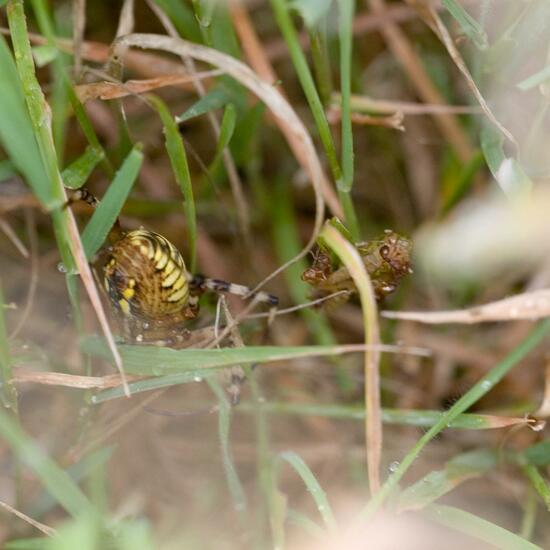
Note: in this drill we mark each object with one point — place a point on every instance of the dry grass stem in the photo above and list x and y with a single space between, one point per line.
527 306
50 531
441 31
115 90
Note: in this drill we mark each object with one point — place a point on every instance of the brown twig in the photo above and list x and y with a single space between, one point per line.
115 90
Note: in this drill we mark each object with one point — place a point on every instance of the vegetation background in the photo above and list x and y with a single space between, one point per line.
429 118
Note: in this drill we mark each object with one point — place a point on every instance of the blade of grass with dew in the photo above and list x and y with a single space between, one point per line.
8 393
157 361
109 208
180 167
477 527
284 21
539 483
474 394
470 27
224 425
440 482
77 173
399 417
191 376
55 480
348 255
318 494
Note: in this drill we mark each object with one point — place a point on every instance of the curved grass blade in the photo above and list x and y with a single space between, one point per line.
477 527
178 160
109 208
373 423
310 481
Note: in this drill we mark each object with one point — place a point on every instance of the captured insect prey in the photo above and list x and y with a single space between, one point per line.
387 260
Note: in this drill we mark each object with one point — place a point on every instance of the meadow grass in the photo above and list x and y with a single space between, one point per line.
73 489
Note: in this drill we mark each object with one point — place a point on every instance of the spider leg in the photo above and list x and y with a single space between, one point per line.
200 284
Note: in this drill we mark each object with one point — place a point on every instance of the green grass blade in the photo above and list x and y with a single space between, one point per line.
536 79
299 60
537 335
77 472
224 426
470 27
8 393
55 480
310 481
216 98
440 482
227 128
538 454
180 167
78 172
157 361
183 18
539 484
187 377
398 417
16 133
109 208
347 9
477 527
